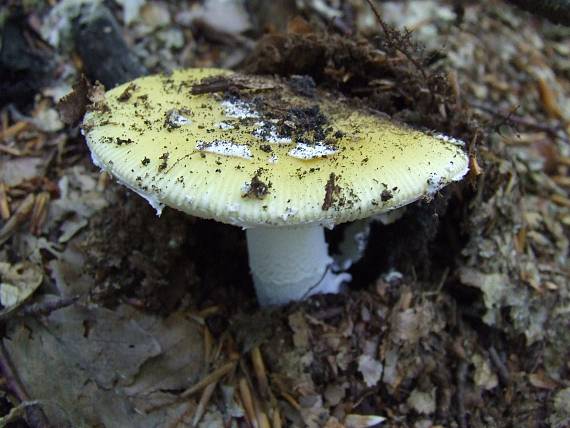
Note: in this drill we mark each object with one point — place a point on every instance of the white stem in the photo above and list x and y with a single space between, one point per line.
290 263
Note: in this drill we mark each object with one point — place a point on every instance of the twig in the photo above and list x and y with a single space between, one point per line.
35 416
517 120
39 309
46 308
231 84
461 379
501 368
393 41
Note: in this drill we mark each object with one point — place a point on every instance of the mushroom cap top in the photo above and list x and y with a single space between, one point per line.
256 153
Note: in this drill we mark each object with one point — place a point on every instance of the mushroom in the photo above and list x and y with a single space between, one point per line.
251 152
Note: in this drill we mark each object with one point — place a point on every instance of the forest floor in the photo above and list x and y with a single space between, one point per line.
458 314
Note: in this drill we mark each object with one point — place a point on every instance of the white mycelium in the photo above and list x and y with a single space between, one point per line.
312 151
225 148
239 109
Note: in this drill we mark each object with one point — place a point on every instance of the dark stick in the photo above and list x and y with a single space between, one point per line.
461 379
46 308
389 33
35 416
40 309
500 366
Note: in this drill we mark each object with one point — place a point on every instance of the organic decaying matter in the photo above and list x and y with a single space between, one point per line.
251 152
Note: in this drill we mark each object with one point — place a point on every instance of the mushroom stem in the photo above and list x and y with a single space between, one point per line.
290 263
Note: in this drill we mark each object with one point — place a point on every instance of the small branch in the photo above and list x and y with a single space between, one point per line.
500 366
395 40
46 308
40 309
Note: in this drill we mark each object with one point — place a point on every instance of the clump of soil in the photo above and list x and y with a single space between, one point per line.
157 262
391 75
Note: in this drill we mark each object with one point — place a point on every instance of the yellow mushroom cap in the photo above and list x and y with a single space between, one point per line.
258 154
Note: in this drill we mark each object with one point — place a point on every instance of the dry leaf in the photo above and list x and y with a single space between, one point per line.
371 370
422 402
17 284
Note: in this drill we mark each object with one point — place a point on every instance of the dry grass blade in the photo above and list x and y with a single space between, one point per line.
247 401
4 204
17 218
548 99
362 421
260 372
276 418
39 213
203 403
10 150
13 130
263 420
208 312
213 377
289 398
